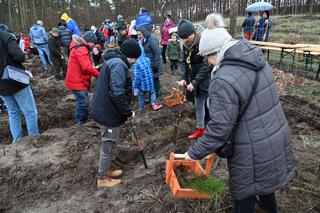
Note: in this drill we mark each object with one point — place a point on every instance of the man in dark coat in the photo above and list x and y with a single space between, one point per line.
121 30
262 160
111 105
56 56
153 52
195 71
65 40
18 98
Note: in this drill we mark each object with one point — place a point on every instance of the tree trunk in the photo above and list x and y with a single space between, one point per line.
21 13
278 6
10 16
34 10
311 7
42 9
233 17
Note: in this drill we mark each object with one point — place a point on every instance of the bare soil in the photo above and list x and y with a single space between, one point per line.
56 171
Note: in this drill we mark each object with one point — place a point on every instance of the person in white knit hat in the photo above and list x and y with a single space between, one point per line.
247 123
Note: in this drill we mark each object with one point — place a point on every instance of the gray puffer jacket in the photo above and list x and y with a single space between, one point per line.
263 159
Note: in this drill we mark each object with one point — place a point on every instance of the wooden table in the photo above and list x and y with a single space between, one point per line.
309 51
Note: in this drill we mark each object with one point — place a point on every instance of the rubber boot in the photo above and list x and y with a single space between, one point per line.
107 182
197 134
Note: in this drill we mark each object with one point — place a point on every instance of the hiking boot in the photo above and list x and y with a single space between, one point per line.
107 182
197 134
156 106
115 173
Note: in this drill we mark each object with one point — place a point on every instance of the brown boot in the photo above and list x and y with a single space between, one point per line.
115 173
107 182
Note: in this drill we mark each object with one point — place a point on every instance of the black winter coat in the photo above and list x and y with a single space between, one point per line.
197 71
111 99
10 54
54 48
65 36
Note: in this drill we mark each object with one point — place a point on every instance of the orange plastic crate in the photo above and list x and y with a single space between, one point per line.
194 167
175 98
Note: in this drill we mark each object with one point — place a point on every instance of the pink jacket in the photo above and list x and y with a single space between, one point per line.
165 32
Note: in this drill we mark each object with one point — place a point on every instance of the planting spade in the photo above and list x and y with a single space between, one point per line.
139 144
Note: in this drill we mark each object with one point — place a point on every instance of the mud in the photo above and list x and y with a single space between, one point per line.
56 171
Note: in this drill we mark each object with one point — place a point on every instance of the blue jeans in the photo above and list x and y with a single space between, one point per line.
43 50
142 97
200 110
22 101
82 106
266 202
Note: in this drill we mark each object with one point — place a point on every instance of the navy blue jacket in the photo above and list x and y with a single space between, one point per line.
111 99
65 36
152 50
248 24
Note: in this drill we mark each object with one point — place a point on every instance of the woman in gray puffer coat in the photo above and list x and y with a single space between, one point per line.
262 161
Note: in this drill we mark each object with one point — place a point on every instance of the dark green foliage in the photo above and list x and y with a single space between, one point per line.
212 186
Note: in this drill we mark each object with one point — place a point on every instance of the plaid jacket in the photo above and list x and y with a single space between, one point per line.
143 76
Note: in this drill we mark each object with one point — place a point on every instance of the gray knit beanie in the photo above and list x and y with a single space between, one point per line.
55 30
185 28
215 39
89 36
212 40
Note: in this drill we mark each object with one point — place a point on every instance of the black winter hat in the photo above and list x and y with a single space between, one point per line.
90 37
185 28
130 48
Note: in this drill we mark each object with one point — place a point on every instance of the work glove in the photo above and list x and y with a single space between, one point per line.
135 92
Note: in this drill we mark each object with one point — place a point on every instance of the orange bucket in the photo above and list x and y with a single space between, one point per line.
175 98
192 167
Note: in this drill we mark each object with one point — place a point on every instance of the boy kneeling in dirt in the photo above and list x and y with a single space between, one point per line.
111 105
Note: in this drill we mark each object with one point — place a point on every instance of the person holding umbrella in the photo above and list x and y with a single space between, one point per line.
264 24
263 27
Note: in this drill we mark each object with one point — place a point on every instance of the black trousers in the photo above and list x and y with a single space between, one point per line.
59 64
164 49
173 65
266 202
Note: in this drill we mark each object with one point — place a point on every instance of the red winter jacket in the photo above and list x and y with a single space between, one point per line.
80 68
